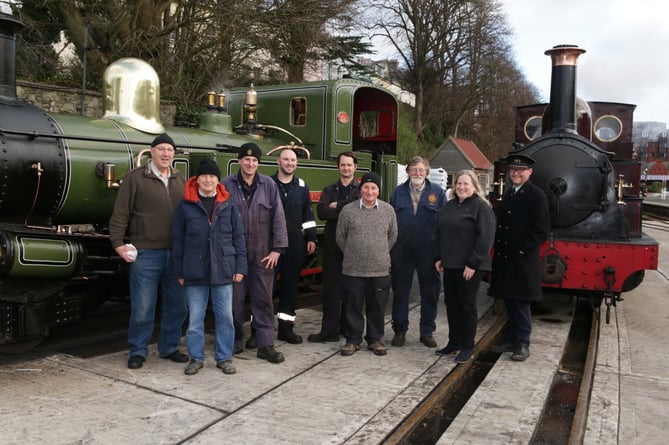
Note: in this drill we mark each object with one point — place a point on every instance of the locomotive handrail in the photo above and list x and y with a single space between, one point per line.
181 147
283 130
291 146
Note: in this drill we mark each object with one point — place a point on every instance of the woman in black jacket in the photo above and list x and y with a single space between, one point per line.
465 231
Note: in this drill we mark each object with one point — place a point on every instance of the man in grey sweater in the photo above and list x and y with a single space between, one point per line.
366 231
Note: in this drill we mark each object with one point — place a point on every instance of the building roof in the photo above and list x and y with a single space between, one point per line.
459 154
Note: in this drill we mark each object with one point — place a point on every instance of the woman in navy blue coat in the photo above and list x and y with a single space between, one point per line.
209 252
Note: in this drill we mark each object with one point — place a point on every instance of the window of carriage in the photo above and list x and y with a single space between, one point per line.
608 128
532 127
376 123
298 111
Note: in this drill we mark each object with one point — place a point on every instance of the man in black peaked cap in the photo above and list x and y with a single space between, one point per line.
523 223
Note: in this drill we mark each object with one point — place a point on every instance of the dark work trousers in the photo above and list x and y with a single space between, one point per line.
371 295
519 328
290 266
259 283
429 283
460 298
332 289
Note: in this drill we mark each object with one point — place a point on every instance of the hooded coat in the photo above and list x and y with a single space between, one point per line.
208 251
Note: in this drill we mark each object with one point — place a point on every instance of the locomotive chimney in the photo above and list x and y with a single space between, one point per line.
562 109
9 26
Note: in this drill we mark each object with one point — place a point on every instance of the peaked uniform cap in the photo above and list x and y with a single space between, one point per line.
520 161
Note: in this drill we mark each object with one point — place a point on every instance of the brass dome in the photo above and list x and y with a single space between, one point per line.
132 95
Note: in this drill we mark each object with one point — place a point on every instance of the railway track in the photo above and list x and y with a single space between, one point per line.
563 419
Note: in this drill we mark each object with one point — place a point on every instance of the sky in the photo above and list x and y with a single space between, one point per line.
626 43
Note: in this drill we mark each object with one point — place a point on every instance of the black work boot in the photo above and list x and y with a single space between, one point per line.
286 333
399 338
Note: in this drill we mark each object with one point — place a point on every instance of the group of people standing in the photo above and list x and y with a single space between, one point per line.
214 239
217 239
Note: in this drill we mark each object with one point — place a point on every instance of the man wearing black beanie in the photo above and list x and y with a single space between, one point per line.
208 167
140 230
210 225
163 139
366 231
257 197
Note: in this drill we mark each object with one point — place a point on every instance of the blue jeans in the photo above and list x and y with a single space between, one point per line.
150 273
221 302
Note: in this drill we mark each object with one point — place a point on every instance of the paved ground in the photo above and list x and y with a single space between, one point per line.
318 396
631 393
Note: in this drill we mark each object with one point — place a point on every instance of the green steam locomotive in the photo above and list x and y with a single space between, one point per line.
59 174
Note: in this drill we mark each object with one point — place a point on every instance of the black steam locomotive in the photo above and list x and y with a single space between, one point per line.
584 164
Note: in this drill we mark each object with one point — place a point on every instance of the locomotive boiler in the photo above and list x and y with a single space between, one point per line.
596 247
59 175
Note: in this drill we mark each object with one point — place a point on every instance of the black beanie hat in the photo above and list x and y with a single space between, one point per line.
250 149
208 167
371 177
162 139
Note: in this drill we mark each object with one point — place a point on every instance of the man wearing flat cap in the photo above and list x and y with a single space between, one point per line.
366 231
140 230
523 223
257 197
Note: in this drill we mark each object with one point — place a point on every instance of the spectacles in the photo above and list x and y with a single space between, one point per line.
417 170
516 170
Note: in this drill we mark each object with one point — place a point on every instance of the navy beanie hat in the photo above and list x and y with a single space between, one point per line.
250 149
208 167
162 139
371 177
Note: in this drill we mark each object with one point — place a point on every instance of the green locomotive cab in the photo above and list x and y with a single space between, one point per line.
327 118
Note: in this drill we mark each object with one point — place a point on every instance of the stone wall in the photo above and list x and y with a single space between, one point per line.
55 99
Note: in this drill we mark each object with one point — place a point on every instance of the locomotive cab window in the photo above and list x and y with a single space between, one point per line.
608 128
298 111
377 123
532 127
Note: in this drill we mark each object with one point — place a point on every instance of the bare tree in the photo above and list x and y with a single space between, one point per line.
456 53
420 31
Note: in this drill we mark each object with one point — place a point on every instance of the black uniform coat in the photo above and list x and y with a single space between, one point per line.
523 223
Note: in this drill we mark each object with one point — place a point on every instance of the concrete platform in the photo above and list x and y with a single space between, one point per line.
318 396
630 397
315 396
